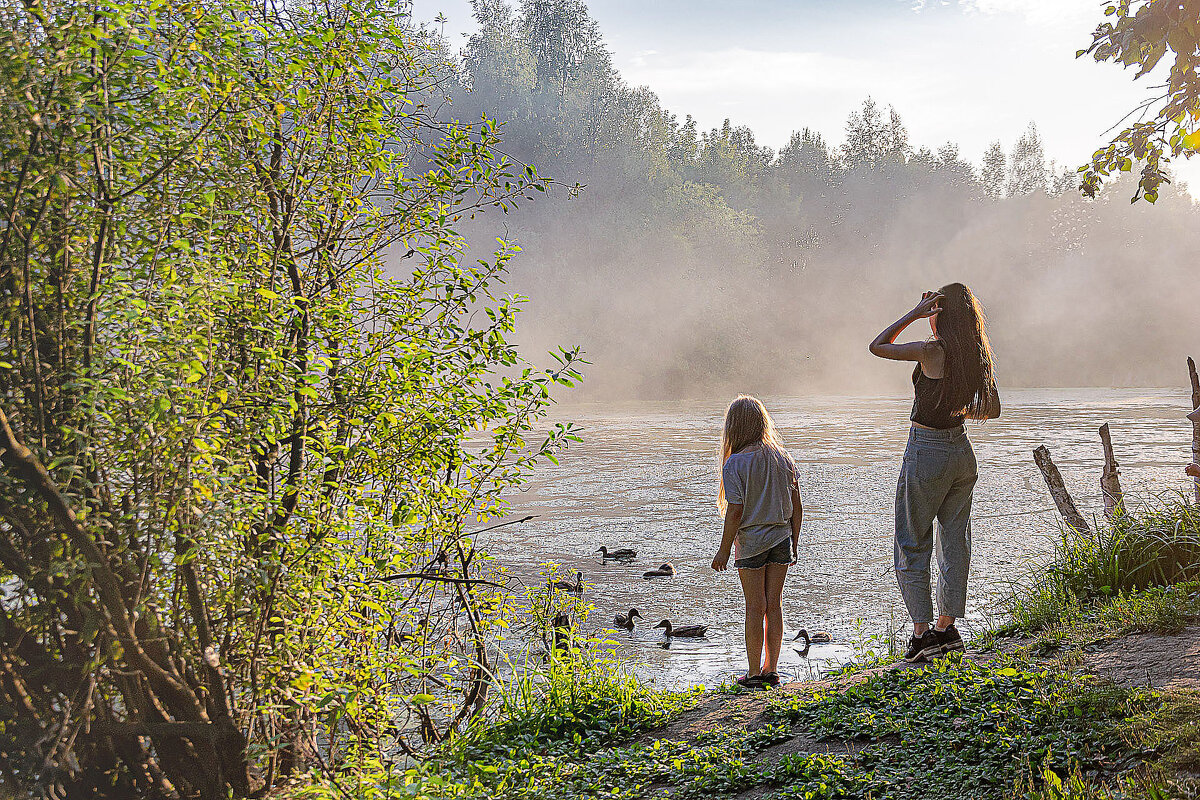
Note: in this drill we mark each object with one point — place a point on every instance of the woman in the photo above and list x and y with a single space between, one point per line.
953 381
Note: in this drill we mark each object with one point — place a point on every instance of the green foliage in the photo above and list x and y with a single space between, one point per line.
1139 33
959 729
255 396
1137 573
1158 545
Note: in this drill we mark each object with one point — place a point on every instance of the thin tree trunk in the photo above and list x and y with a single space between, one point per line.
1195 425
1110 478
1058 490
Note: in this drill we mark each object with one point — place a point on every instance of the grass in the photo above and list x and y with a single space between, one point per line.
1138 573
581 726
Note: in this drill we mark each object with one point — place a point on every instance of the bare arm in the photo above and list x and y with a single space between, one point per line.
797 521
884 345
733 520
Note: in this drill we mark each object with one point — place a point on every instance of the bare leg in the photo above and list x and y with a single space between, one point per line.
944 622
756 608
774 599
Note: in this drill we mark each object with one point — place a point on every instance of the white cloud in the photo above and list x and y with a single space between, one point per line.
1044 13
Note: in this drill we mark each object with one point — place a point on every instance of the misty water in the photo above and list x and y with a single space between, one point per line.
645 477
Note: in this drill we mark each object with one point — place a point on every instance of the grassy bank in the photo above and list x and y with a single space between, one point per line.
1020 721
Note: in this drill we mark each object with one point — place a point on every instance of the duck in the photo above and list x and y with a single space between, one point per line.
626 620
665 571
816 637
567 586
692 631
622 553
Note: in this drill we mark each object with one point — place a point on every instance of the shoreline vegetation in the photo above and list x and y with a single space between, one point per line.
1087 689
1033 709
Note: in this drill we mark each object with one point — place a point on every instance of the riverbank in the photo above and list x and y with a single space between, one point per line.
1090 690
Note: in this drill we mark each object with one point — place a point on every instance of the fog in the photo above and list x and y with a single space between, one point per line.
696 264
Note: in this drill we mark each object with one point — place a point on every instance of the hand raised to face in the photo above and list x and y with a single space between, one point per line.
929 306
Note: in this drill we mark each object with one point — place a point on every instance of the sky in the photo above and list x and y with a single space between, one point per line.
963 71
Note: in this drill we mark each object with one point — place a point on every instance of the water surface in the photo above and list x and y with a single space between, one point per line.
645 477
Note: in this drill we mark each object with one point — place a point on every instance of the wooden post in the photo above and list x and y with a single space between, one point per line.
1196 423
1058 490
1110 478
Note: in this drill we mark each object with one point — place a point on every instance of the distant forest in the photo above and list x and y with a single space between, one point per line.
697 262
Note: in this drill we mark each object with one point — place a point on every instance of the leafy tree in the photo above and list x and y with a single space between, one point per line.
565 41
1139 34
806 157
498 60
250 402
994 171
872 141
1027 171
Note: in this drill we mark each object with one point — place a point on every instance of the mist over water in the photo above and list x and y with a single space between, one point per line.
699 263
696 265
645 477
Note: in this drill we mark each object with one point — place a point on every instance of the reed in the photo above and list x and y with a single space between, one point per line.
1136 572
1156 545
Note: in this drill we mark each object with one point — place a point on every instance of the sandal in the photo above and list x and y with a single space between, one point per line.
750 682
769 679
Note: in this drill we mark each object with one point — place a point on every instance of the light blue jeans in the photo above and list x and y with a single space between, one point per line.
936 482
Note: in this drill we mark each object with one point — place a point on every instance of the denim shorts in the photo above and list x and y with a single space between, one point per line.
779 554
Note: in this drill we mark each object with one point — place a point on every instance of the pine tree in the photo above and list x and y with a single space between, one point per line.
1027 171
871 141
995 169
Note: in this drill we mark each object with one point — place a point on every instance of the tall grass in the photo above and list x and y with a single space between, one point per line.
1157 545
1136 572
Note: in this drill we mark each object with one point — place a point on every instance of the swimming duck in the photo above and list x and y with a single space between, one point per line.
624 552
817 637
626 620
567 586
665 571
693 631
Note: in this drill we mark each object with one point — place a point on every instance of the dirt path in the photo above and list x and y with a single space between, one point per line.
1148 659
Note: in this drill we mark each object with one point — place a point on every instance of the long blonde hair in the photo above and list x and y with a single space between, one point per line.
746 422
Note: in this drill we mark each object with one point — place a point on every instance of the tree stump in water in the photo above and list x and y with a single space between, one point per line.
1110 478
1058 490
1195 423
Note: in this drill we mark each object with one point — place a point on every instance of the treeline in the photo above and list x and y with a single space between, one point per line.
699 260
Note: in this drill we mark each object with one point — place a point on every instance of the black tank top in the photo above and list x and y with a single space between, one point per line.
925 409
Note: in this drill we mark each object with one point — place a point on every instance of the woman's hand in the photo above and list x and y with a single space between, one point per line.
795 552
1192 470
721 562
930 306
884 345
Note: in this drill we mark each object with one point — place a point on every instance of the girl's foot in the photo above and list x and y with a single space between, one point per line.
751 682
769 678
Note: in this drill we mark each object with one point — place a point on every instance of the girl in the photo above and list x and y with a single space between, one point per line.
953 381
760 499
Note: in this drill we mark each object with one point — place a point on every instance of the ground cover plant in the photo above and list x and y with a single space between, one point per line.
961 729
950 730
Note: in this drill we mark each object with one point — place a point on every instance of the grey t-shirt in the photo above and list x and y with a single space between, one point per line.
760 479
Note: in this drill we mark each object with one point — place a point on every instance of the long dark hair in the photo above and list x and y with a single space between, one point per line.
969 379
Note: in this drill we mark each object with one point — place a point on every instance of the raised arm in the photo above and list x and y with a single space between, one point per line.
884 345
